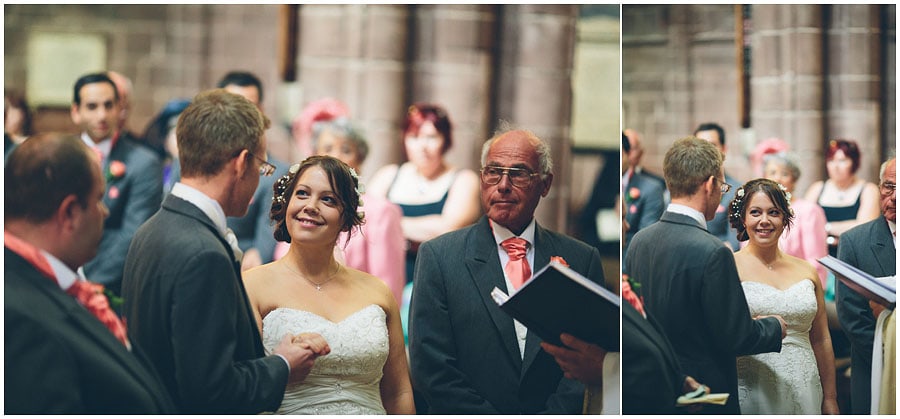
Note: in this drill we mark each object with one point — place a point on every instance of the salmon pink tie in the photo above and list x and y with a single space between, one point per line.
517 268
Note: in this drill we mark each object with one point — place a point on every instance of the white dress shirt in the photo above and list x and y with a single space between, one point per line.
688 211
500 234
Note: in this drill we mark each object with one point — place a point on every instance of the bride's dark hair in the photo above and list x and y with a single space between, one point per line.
776 192
344 182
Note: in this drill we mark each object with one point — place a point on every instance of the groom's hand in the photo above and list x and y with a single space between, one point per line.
299 358
314 342
780 321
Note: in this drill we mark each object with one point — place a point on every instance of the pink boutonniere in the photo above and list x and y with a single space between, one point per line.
634 193
559 260
116 170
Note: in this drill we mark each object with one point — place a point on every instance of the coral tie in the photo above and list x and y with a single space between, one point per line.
91 296
517 269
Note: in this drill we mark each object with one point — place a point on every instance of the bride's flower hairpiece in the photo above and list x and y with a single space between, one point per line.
787 197
737 203
359 189
282 183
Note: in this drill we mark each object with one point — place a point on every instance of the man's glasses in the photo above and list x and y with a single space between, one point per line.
888 188
520 178
265 168
724 186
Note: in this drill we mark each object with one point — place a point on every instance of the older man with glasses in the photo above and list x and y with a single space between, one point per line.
468 356
871 247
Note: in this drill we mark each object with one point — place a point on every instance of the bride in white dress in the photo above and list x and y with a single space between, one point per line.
801 378
309 291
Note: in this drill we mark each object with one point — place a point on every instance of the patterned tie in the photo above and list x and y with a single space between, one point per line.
517 268
91 296
233 242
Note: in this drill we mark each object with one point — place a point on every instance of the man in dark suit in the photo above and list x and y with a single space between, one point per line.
184 298
689 280
59 357
642 196
718 226
870 247
467 355
133 175
254 230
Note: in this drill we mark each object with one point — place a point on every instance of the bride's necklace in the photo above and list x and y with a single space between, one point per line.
318 285
770 266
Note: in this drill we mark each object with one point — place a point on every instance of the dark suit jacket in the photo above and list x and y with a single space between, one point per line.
131 200
719 226
690 284
463 349
651 377
254 230
645 209
187 307
869 247
59 359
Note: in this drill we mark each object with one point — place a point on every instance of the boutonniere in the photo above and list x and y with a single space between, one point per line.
559 260
633 194
116 170
629 286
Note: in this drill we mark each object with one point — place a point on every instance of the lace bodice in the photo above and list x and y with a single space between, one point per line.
346 381
786 382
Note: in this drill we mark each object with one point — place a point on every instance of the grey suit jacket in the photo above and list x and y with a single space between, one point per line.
187 307
59 359
463 349
690 285
869 247
131 200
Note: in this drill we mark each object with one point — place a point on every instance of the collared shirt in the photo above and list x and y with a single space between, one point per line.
500 234
688 211
893 226
214 211
209 206
104 146
65 277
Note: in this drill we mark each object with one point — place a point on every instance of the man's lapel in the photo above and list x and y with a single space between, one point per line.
483 264
883 250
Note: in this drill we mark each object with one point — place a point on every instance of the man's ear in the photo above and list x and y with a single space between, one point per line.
547 182
76 117
69 213
241 164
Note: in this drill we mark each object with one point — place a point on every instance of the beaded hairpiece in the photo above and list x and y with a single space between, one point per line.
359 189
282 183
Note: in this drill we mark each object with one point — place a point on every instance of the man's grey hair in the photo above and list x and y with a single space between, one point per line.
542 149
884 169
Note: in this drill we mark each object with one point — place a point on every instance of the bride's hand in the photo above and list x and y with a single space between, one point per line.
312 341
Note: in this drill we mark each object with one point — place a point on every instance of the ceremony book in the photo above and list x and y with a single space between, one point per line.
559 300
866 285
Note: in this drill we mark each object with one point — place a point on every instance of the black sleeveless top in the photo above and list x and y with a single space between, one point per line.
833 214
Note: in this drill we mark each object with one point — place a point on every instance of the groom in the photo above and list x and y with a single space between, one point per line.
184 299
689 280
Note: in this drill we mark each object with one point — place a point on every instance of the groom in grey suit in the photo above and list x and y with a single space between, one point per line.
184 298
466 355
689 280
872 248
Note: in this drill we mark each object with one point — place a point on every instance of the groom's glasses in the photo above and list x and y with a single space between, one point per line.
265 168
724 186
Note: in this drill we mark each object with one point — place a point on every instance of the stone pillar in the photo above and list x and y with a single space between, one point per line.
787 84
854 82
452 65
357 54
534 89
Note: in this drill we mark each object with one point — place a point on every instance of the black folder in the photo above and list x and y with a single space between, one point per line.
864 284
559 300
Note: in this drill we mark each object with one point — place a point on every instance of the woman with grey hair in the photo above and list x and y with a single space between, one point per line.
805 240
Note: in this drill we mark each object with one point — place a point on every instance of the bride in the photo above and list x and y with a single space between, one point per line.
801 378
309 291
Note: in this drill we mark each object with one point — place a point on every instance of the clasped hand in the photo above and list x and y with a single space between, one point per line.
301 352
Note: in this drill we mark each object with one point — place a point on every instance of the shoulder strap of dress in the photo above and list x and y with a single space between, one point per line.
819 198
393 181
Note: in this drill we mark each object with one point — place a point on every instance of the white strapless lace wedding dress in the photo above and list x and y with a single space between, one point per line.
346 381
785 383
